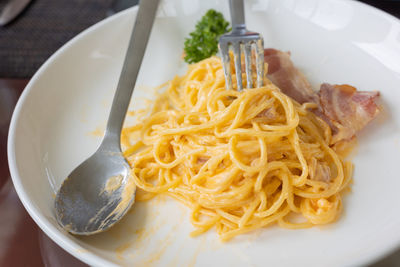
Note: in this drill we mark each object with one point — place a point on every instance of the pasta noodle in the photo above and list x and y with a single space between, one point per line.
239 160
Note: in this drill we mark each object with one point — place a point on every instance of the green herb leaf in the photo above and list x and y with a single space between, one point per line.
203 41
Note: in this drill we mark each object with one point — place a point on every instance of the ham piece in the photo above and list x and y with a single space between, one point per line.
287 77
347 109
344 108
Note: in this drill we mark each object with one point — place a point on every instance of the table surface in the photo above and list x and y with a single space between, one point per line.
22 243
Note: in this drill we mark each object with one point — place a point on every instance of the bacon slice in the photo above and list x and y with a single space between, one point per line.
287 77
345 109
319 171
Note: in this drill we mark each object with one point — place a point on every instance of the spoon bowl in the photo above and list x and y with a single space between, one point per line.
96 194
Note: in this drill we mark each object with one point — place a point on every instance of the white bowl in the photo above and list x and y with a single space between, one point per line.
60 113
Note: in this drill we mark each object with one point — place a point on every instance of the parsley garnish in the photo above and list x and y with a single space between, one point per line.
203 41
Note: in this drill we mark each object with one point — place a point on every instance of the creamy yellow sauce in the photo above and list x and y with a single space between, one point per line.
112 184
98 132
129 191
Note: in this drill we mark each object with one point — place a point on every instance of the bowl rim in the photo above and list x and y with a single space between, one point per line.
51 231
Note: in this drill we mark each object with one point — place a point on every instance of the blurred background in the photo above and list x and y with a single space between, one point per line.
26 42
45 25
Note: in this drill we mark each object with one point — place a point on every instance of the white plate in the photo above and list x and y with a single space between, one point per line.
331 41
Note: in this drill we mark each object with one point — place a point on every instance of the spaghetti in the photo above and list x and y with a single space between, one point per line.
239 160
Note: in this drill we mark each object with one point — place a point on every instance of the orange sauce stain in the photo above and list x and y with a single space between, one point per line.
97 133
120 250
197 252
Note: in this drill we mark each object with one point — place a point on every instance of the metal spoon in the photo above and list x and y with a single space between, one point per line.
100 191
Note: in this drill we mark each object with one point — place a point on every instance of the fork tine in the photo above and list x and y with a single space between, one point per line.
226 59
247 61
260 62
238 65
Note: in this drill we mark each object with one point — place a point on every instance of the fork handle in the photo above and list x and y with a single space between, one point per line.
236 8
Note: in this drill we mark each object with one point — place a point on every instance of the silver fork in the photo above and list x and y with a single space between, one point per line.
241 40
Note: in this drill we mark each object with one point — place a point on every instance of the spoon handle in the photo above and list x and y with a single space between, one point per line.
133 59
